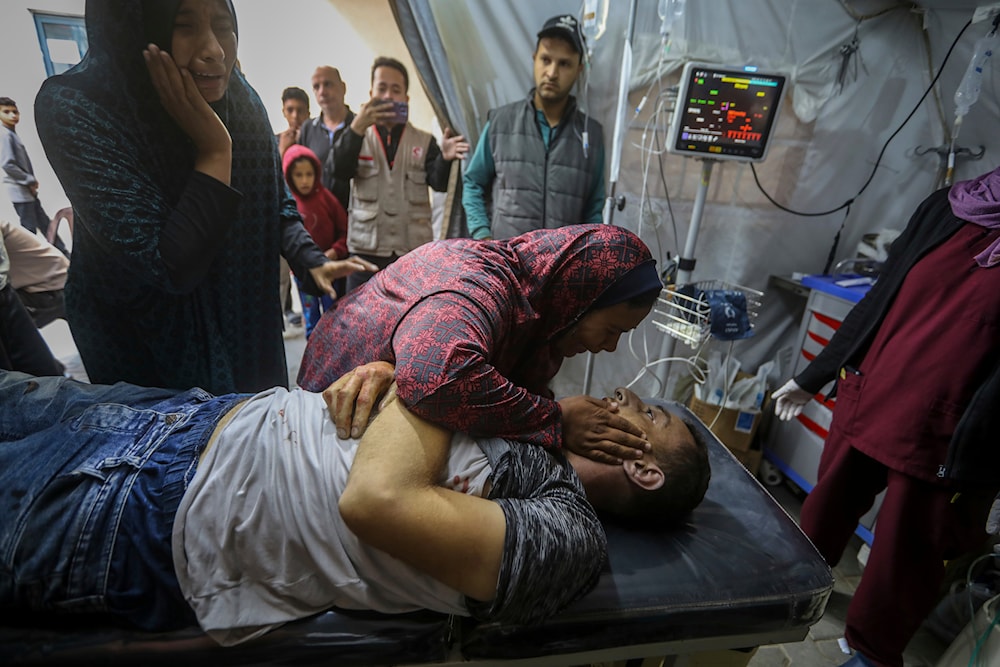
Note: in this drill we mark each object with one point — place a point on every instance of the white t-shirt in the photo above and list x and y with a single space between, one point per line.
258 540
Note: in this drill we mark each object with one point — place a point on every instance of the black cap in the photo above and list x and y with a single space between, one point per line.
566 27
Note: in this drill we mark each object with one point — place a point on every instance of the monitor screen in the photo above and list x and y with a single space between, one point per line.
727 113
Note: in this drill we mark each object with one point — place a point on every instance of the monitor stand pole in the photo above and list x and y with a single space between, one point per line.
685 264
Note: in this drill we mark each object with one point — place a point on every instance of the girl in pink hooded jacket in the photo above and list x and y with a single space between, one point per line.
324 218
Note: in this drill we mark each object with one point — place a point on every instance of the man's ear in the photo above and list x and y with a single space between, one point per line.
644 474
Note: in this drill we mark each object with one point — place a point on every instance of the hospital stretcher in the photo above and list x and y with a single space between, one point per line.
738 574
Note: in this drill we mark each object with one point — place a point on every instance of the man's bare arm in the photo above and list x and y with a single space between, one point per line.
392 502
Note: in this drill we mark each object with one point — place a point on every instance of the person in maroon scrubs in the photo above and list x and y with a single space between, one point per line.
917 363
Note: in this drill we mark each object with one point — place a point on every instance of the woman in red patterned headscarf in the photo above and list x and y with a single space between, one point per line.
477 329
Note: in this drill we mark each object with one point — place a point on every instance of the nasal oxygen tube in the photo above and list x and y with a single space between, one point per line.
967 93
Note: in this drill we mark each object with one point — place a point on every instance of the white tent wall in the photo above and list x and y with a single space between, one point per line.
23 73
472 56
826 146
280 45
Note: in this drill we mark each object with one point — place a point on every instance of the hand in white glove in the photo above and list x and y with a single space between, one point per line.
993 520
789 400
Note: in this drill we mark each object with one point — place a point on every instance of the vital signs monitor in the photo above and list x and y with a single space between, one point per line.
725 113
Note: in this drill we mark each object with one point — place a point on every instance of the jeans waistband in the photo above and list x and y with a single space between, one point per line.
142 583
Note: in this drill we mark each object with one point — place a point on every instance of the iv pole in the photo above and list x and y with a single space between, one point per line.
616 151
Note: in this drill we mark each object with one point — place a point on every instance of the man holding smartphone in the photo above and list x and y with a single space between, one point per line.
391 164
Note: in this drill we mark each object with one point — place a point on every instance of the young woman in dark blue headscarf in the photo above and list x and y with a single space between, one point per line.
167 155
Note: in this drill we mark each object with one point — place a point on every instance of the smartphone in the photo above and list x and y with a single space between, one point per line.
402 110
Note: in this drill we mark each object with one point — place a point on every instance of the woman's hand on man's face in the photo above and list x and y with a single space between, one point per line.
592 427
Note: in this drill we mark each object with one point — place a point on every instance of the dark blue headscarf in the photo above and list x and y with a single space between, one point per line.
641 281
125 164
158 20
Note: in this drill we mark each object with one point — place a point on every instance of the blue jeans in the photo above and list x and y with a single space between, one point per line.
90 480
313 307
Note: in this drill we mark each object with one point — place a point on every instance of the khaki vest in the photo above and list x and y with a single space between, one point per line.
390 208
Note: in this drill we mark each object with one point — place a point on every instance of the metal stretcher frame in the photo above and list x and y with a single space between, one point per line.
738 574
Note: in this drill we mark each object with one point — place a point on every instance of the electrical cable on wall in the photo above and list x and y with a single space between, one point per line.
846 206
871 176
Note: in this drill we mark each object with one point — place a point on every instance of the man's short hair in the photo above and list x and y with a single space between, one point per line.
686 473
383 61
294 93
7 102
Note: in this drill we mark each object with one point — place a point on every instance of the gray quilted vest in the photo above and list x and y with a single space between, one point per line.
535 189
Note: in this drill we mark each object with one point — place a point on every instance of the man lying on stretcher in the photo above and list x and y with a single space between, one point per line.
243 512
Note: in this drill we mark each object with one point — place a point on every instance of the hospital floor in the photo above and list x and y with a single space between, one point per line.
820 648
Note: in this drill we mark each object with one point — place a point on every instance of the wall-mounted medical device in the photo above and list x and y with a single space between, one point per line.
724 112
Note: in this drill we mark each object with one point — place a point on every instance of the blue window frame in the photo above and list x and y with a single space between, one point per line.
63 39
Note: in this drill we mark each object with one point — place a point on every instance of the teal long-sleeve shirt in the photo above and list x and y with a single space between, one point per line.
480 172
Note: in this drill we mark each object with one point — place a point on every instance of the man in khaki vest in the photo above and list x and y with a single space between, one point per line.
391 164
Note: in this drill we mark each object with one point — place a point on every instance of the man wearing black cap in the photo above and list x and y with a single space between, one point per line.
539 161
